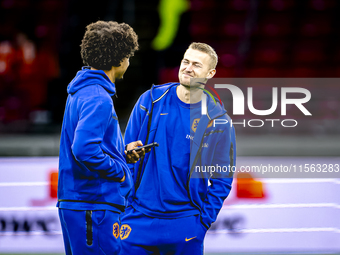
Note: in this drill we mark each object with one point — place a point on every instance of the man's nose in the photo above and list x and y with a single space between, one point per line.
189 68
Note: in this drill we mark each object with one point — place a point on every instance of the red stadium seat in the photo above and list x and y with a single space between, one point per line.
232 26
316 26
222 72
237 5
269 52
201 5
168 75
274 25
322 5
303 72
259 72
281 5
309 52
226 47
15 4
201 27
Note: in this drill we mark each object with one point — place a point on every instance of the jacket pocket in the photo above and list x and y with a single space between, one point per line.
100 216
125 186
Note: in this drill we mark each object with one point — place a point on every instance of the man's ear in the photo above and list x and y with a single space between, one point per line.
211 73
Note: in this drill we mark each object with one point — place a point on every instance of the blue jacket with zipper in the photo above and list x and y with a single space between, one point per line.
91 158
206 192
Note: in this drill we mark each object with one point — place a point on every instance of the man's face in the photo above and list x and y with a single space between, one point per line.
122 68
195 64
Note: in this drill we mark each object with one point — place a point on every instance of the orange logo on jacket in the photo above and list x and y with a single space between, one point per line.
195 124
116 230
125 231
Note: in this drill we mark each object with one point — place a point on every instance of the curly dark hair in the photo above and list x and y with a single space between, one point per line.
107 43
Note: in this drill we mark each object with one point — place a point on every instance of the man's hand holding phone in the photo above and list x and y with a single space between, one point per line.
134 156
135 150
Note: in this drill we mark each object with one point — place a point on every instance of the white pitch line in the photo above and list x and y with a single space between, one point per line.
27 208
22 184
297 180
335 181
249 206
31 233
277 206
221 231
274 230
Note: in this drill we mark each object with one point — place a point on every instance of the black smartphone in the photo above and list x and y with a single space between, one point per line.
150 145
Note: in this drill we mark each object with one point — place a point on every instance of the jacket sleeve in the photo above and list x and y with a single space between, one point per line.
134 123
225 155
136 120
94 116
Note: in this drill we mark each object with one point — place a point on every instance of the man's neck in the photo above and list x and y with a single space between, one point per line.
189 95
109 73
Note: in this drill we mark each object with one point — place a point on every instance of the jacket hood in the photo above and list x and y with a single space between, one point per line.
87 77
215 109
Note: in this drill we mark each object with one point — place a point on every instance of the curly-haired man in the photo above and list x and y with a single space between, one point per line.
94 179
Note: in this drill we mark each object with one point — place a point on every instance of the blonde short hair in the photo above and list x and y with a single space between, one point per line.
203 47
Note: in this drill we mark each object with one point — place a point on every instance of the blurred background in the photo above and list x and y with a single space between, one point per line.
40 54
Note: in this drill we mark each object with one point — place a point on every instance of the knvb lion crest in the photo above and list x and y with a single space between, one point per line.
195 124
125 231
116 230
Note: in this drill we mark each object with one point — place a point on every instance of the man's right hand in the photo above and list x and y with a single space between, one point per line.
134 156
